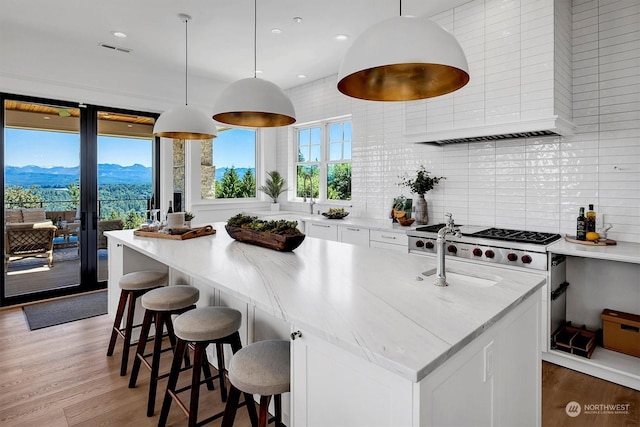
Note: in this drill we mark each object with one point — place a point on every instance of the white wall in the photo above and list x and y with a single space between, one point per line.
531 183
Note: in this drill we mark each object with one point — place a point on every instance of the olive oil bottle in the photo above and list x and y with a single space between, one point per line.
591 219
581 226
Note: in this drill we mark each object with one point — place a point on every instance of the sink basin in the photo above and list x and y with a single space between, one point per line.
457 277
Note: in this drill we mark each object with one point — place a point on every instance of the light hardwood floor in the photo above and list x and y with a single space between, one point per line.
60 376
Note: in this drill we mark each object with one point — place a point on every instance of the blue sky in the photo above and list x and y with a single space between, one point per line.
46 149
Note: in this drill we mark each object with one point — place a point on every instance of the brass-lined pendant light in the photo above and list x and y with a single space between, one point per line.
254 102
185 122
403 59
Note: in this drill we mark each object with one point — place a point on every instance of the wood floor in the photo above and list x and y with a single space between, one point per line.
61 376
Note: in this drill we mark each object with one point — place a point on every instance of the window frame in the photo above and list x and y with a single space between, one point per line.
324 161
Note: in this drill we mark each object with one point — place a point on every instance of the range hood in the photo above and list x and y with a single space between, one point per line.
522 129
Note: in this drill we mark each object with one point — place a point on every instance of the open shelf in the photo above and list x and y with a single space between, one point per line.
606 364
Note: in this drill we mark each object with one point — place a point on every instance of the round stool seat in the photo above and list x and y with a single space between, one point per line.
262 368
139 280
169 298
207 323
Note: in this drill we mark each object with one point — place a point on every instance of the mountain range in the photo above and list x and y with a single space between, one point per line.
60 177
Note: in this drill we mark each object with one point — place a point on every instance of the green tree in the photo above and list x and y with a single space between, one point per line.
133 220
339 181
74 195
230 185
248 184
19 197
314 172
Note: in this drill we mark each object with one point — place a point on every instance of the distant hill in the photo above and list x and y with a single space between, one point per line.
240 171
60 177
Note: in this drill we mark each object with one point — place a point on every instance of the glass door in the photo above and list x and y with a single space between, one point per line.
71 173
41 198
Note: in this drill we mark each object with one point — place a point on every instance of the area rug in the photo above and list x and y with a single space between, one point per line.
45 314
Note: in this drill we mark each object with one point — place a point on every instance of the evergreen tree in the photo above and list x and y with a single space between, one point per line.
19 197
230 186
248 184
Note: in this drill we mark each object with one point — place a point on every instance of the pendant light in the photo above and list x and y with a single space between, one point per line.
254 102
185 122
403 59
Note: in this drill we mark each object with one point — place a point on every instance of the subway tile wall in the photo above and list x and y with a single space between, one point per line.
530 183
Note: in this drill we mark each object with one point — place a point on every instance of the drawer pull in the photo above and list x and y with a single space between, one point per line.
321 225
296 334
353 229
388 237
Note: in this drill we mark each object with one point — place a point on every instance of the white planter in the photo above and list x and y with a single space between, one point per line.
275 207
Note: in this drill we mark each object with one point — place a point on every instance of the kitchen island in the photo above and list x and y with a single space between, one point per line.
377 343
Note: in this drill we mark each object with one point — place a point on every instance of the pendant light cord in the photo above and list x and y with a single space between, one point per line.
255 38
186 61
400 7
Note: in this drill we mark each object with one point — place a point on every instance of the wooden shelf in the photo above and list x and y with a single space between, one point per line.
606 364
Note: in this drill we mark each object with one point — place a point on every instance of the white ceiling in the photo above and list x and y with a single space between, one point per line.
220 32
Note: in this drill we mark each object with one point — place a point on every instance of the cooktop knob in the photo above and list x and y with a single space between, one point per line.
452 249
489 253
477 252
419 243
526 259
512 257
429 245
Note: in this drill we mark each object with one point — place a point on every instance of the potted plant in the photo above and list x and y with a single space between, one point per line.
188 216
273 186
419 185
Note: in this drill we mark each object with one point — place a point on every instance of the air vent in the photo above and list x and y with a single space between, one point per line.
496 137
116 48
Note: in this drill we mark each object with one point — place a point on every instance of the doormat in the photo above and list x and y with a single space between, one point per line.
45 314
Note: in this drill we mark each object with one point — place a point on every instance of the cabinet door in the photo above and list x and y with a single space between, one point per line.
354 235
333 387
116 266
322 231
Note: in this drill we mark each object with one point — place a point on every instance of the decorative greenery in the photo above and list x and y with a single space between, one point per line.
274 185
422 183
280 226
188 216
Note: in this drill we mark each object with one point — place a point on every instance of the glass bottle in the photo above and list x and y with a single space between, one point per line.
581 226
591 219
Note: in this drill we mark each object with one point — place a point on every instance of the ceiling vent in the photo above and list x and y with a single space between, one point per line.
116 48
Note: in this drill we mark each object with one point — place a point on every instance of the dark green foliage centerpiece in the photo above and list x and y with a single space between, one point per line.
280 235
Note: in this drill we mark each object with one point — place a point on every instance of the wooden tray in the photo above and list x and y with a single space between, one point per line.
606 242
266 240
194 232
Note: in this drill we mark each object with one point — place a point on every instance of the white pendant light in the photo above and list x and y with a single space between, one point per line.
184 122
254 102
403 59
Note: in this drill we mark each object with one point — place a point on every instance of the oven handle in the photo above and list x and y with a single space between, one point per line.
561 289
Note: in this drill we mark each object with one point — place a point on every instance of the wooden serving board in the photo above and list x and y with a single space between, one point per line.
194 232
606 242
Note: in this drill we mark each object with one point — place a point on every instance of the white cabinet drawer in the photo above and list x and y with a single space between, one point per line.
354 235
393 237
322 231
389 246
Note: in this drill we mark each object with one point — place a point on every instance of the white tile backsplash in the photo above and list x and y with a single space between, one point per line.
534 183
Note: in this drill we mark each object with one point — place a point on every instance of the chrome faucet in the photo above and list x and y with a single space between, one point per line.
310 194
450 228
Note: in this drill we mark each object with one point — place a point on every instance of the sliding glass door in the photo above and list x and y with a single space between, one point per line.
71 173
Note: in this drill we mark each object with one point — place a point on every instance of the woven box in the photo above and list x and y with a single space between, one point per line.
621 332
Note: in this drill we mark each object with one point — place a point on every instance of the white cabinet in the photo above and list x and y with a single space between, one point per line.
496 378
321 230
354 235
392 240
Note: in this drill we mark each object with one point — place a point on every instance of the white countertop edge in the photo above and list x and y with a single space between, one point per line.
622 251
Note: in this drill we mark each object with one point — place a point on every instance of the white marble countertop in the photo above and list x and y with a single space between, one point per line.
365 300
622 251
370 223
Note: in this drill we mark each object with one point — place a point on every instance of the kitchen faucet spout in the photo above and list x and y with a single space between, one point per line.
450 228
304 186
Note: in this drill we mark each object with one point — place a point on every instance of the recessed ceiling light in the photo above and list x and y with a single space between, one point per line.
276 30
119 34
342 37
302 76
297 20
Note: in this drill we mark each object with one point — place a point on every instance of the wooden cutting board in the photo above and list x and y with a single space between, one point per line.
194 232
606 242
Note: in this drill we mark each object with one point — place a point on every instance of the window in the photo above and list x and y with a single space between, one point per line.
228 165
324 156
